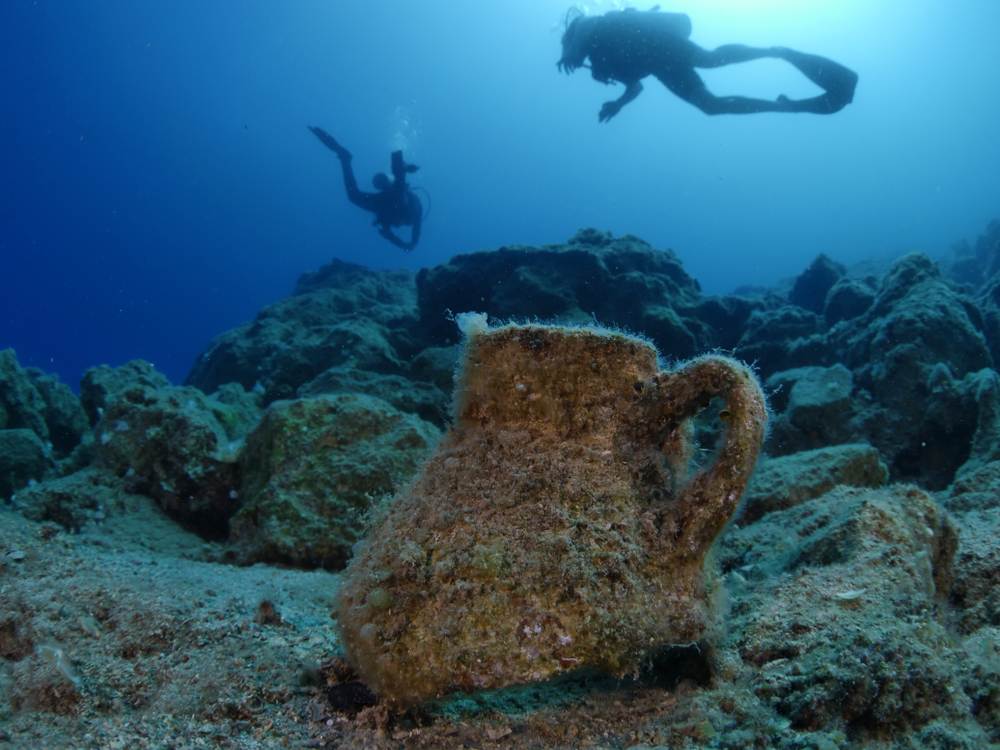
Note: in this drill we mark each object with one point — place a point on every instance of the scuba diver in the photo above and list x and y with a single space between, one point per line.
628 45
394 205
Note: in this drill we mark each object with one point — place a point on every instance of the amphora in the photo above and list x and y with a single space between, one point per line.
556 526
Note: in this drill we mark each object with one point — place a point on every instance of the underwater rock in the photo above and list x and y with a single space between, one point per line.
974 499
811 287
100 383
835 612
915 355
64 416
553 528
975 593
594 277
816 409
782 483
437 365
989 303
846 300
312 467
170 445
975 265
33 400
424 399
21 405
988 248
23 458
236 410
977 489
73 501
771 334
341 315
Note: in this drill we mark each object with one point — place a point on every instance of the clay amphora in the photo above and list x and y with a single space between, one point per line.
555 527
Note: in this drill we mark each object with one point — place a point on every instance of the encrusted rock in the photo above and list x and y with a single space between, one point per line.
424 399
916 354
769 334
21 405
816 408
835 619
32 400
782 483
341 315
23 458
620 281
170 446
100 383
846 300
812 285
72 502
313 467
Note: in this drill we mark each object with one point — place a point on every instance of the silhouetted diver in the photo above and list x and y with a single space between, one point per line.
628 45
394 205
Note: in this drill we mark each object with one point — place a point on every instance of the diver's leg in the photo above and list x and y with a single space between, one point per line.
355 195
687 84
837 81
729 54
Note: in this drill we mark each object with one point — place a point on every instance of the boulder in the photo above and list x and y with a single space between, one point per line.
24 459
343 315
422 398
784 482
64 416
33 400
835 612
621 282
816 408
811 287
21 405
915 356
169 444
770 336
313 467
974 500
100 383
87 496
847 300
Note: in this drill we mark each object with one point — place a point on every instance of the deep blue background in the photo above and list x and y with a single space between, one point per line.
159 185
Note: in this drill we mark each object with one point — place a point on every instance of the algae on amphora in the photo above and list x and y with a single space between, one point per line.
554 527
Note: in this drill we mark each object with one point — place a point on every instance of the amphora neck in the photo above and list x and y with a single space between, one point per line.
568 380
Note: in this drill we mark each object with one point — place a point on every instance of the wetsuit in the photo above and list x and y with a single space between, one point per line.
626 46
394 205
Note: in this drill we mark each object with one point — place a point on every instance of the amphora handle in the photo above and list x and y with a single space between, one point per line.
706 503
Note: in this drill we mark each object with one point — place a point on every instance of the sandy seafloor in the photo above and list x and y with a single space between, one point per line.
184 660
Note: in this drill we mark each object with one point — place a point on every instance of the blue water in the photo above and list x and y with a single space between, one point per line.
159 185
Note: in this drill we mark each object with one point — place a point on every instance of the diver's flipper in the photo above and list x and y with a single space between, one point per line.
836 80
330 142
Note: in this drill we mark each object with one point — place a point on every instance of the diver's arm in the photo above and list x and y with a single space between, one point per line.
610 109
415 235
388 234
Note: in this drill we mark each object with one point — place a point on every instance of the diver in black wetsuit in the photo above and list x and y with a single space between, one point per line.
628 45
394 205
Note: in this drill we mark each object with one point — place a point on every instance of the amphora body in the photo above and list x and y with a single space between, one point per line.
555 526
